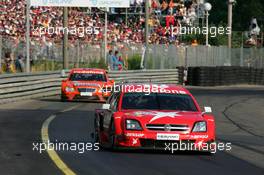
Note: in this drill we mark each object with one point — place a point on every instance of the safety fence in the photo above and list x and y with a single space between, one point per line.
78 51
224 75
161 56
166 57
14 87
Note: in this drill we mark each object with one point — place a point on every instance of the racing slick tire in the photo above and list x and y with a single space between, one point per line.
63 98
112 137
110 146
96 134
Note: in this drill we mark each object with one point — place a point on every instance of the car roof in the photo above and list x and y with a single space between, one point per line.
171 88
84 70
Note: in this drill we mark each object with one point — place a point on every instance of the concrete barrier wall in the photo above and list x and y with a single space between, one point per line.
15 87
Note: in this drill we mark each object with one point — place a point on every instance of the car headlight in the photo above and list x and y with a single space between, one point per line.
133 125
200 127
69 89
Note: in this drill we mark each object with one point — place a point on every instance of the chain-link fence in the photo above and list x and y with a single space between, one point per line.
166 57
160 56
79 53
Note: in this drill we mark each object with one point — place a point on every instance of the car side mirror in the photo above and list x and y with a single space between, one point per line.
112 81
106 106
207 109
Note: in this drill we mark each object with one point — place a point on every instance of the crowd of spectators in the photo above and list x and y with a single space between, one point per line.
164 15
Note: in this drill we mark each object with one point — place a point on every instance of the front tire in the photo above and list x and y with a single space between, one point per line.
112 137
96 132
63 97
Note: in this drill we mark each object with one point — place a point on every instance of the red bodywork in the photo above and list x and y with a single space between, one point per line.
88 90
110 124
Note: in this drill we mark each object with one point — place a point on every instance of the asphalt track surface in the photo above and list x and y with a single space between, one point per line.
239 113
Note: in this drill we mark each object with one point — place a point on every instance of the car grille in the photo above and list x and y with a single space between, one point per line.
167 127
86 90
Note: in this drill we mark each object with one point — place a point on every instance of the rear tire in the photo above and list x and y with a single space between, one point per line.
112 138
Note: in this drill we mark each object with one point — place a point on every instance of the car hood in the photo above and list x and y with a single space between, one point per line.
164 116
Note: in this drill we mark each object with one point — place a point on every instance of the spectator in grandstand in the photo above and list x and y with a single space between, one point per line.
110 60
164 6
194 43
191 16
19 64
12 21
121 63
156 6
170 20
171 6
116 63
8 63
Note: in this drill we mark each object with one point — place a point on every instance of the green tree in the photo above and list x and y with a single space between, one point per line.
243 12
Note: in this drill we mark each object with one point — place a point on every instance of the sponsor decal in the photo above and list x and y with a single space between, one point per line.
159 115
134 135
199 136
86 84
86 94
142 113
135 141
81 3
156 115
88 72
168 136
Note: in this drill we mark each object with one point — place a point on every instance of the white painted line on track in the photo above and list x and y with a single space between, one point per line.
51 152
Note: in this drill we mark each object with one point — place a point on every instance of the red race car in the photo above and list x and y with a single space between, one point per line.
91 84
153 116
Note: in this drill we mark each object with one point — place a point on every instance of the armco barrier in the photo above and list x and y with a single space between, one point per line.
15 87
219 76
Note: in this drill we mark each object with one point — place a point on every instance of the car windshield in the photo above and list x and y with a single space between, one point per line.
158 101
87 77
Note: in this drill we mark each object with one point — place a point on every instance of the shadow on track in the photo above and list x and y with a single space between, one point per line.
155 152
57 99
